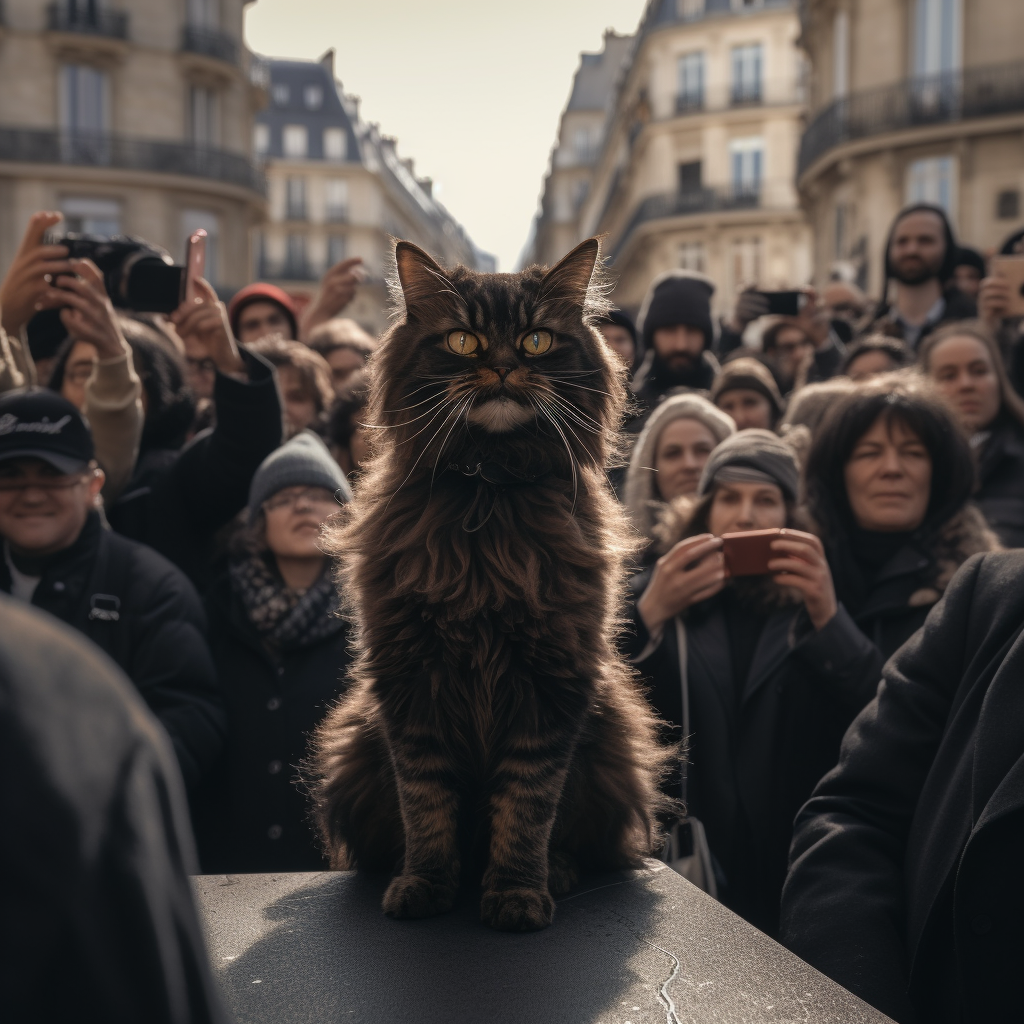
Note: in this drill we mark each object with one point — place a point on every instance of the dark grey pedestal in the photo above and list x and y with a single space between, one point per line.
641 947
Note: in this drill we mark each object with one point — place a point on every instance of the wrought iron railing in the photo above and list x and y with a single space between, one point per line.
210 42
926 100
680 204
80 148
65 17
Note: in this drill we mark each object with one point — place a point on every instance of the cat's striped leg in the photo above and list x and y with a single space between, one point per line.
430 872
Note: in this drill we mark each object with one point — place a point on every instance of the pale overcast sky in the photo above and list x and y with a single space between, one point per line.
473 89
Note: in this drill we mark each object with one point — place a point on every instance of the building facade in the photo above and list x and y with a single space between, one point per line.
132 118
337 188
910 100
697 162
580 136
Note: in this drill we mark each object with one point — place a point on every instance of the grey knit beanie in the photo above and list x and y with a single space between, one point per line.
304 461
759 451
641 496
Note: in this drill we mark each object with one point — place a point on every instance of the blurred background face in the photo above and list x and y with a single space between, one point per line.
294 516
967 280
300 407
746 506
620 341
842 302
749 408
345 364
791 350
679 348
682 450
262 320
42 511
962 369
918 248
869 364
77 371
888 478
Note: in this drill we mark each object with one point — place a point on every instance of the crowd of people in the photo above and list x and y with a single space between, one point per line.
164 480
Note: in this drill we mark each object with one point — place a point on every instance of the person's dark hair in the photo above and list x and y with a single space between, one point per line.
897 398
949 259
312 368
769 364
968 257
342 421
1014 245
895 349
341 332
170 403
770 338
1011 405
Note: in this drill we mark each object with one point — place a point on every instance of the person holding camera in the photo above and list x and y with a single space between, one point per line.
127 599
104 384
773 668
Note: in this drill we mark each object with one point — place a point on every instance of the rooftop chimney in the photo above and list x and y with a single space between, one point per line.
327 60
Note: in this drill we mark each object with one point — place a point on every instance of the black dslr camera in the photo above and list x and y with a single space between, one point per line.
138 276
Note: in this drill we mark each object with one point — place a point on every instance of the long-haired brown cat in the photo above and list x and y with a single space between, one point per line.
488 713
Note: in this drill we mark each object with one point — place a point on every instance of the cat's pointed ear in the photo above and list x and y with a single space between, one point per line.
422 280
568 281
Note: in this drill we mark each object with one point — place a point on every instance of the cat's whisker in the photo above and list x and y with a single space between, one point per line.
551 417
583 387
467 406
582 418
446 404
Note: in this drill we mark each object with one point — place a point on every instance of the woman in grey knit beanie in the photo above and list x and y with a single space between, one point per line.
670 454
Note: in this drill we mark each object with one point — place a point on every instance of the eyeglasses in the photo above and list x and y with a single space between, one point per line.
44 483
315 496
201 365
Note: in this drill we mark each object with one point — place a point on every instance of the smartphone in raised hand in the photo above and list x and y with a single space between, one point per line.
784 303
195 264
1011 269
748 553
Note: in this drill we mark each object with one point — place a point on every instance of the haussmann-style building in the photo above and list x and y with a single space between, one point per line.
338 188
132 117
910 100
696 160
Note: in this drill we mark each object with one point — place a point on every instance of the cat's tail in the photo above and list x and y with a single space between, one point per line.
351 784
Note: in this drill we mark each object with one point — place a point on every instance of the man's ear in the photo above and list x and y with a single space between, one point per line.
423 281
96 482
568 281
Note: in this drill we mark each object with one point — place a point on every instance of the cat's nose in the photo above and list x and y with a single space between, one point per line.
502 372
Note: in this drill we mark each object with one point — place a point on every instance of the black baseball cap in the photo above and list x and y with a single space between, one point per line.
38 423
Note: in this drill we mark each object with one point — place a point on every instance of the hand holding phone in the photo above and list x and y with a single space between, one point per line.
692 571
195 264
788 303
748 553
1011 270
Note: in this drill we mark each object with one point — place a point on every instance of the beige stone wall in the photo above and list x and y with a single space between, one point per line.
149 88
867 178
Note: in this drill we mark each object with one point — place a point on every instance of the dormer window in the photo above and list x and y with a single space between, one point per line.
280 94
313 97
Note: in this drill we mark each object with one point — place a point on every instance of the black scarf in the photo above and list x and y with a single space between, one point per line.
286 619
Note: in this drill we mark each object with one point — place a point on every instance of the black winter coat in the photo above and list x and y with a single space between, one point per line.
143 612
1000 494
905 882
176 502
754 757
99 923
252 816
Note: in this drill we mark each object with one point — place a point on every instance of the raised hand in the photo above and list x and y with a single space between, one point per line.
86 309
25 288
692 571
337 289
994 300
802 565
205 330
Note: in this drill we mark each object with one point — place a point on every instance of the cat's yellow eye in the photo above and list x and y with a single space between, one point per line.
462 343
536 343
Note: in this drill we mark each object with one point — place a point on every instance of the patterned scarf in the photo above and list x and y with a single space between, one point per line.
286 618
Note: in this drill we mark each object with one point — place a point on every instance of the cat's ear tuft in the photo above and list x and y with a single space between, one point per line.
569 281
422 280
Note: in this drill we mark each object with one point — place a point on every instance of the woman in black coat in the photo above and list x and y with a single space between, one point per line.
967 368
888 481
776 670
906 883
280 651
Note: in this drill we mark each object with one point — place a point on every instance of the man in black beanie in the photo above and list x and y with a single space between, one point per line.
677 333
920 256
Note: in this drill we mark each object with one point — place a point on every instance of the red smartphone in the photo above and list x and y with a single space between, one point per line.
195 264
1011 268
748 553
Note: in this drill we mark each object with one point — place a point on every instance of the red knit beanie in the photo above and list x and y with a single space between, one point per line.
263 292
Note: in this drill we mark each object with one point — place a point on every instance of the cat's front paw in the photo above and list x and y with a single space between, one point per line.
410 896
517 910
